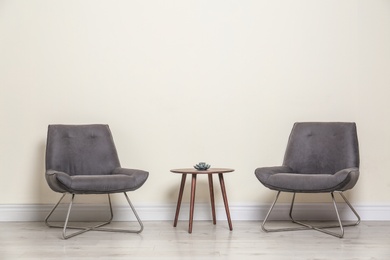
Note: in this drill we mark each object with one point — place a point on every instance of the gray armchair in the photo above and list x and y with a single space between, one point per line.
319 158
82 159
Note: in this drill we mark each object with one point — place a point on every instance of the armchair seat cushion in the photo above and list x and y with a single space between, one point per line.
307 183
122 180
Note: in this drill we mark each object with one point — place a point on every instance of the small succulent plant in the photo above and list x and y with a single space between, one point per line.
202 166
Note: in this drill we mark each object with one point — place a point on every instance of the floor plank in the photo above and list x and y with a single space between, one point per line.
160 240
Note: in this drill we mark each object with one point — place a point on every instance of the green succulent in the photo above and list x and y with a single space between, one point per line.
202 166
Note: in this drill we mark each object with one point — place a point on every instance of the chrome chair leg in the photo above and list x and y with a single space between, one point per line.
51 212
269 213
98 227
126 230
353 210
306 226
322 228
65 226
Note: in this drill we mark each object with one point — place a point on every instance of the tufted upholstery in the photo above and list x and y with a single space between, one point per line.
82 159
320 157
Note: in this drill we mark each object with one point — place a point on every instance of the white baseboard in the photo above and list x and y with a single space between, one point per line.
303 211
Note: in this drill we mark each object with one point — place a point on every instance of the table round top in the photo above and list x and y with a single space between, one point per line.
208 171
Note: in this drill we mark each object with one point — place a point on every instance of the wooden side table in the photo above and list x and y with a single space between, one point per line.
194 173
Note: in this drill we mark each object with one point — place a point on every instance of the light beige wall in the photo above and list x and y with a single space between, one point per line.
186 81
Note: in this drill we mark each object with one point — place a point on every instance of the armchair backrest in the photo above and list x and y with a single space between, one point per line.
81 149
322 147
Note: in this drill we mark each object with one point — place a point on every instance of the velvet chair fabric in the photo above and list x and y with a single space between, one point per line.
82 159
320 157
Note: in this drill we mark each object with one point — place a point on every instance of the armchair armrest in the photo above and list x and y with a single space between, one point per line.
272 170
264 173
350 174
140 176
127 171
53 178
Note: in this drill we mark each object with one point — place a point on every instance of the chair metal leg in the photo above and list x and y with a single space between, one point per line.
352 209
306 226
269 213
98 227
322 228
141 226
51 212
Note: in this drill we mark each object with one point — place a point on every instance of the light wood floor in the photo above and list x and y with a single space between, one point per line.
160 240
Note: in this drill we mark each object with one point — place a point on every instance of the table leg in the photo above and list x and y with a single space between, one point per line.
211 187
192 202
183 182
225 200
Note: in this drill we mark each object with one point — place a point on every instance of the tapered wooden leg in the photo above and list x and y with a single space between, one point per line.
225 200
192 202
211 187
183 182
